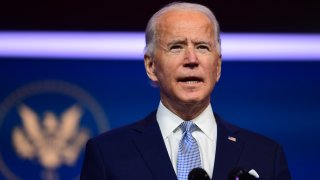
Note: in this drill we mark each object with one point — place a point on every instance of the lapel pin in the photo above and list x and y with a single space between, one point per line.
232 139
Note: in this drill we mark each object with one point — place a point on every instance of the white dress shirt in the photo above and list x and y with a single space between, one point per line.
206 135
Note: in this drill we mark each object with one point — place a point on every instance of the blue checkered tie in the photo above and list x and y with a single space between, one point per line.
188 154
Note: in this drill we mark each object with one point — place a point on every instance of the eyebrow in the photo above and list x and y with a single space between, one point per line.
184 41
177 41
202 42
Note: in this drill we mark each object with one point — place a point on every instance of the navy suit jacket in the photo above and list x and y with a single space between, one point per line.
138 151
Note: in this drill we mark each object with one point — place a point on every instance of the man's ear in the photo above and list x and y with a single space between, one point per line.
150 68
219 64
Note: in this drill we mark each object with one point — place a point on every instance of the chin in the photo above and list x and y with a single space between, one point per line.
192 100
194 96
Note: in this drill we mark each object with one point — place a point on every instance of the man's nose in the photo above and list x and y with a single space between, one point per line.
191 58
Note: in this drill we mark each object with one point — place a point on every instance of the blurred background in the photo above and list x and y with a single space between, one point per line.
72 69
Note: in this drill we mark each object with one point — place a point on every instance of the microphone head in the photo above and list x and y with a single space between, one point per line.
198 174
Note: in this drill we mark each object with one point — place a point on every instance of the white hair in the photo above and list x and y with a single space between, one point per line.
151 30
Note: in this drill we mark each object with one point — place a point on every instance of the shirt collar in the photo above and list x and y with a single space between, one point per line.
169 122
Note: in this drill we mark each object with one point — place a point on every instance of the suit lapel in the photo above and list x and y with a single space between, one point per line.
228 150
149 142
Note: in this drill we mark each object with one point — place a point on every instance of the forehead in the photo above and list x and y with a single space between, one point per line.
185 22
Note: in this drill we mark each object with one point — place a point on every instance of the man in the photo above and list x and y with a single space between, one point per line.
183 56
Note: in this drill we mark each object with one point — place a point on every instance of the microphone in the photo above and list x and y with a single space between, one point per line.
198 174
241 174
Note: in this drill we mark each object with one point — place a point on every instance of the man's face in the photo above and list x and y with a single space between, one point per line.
186 64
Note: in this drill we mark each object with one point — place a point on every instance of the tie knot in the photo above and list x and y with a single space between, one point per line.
188 127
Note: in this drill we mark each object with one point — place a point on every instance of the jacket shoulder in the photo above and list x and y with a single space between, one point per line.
122 134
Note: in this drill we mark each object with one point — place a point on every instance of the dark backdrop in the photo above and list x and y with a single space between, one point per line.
125 15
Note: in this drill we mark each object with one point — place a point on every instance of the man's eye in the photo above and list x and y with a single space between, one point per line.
203 47
176 48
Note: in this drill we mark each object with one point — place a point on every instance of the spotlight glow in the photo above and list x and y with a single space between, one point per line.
130 45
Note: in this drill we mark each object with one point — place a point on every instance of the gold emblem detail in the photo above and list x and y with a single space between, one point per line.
53 142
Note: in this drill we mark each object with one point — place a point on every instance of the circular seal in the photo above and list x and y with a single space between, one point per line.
44 126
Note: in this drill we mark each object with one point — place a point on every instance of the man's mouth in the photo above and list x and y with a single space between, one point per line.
190 80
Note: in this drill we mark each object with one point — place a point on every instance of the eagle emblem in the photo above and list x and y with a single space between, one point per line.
54 140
